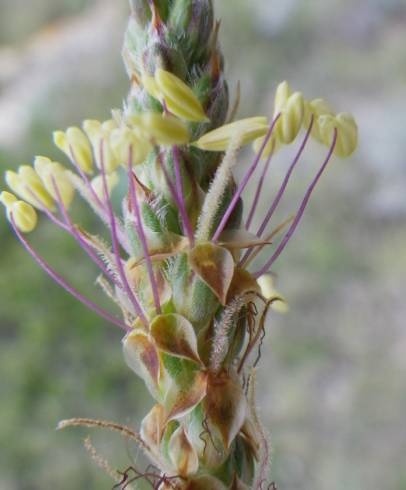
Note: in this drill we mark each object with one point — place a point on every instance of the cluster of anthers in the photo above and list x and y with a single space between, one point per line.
127 141
161 323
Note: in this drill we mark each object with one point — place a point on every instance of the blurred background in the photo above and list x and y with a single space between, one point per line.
332 385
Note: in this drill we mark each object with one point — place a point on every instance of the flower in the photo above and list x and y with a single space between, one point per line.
179 260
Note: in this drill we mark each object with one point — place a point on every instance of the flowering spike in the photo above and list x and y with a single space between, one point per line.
193 311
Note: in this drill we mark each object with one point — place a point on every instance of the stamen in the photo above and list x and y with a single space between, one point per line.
116 246
97 201
141 233
59 280
86 180
300 212
259 188
45 210
181 196
244 182
279 196
70 228
282 189
184 217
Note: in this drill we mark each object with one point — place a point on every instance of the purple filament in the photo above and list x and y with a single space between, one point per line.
96 198
285 182
181 196
300 212
70 228
259 189
182 211
45 210
244 182
116 246
282 189
141 233
59 280
86 181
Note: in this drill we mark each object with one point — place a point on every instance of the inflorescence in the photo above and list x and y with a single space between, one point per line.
179 261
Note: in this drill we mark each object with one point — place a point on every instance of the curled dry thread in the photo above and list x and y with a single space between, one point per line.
180 265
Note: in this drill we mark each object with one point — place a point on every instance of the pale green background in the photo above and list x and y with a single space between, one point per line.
332 388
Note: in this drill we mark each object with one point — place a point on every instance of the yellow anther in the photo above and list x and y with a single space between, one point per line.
347 133
269 292
151 86
320 107
98 184
27 185
122 139
316 107
179 98
7 198
54 174
24 216
291 119
282 94
76 146
99 135
161 129
247 129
